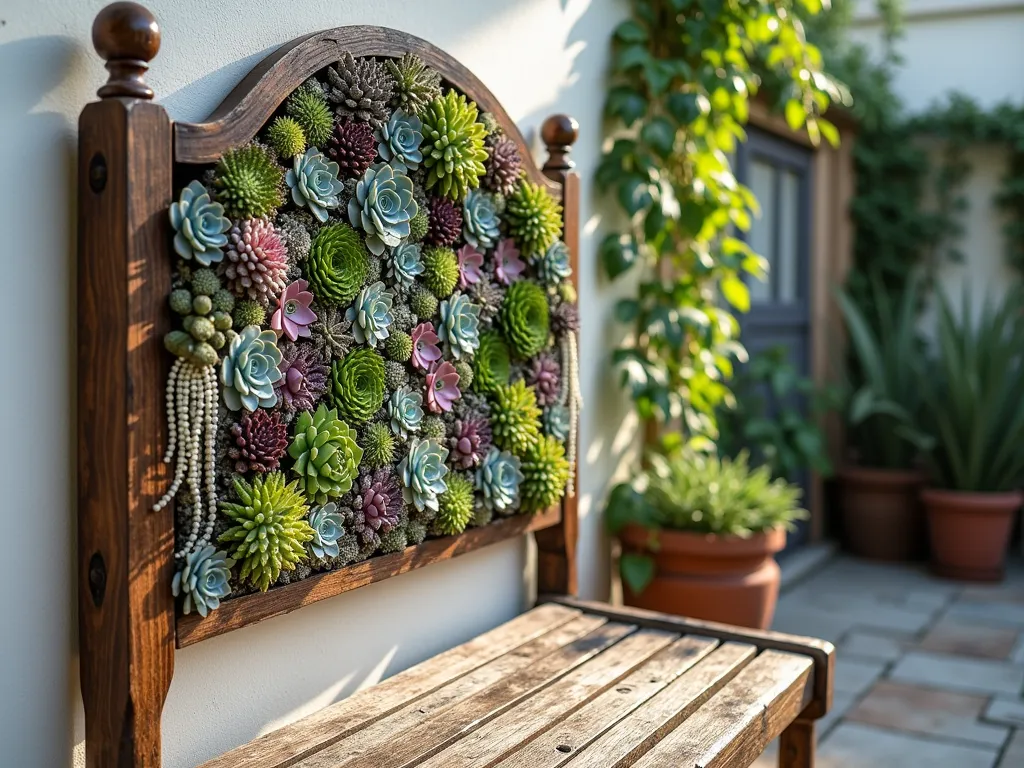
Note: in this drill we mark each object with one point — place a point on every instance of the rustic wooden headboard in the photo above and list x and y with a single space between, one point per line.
130 155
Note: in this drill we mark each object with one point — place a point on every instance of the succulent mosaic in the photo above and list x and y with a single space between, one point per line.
373 331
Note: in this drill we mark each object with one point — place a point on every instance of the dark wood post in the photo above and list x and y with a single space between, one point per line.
125 550
556 547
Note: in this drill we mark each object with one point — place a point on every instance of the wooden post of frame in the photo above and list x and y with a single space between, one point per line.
556 547
125 549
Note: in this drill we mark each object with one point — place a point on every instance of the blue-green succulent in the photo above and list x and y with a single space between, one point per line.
371 315
422 473
553 265
382 206
250 370
399 141
405 409
200 226
459 329
203 580
406 264
498 478
328 526
314 182
555 422
480 220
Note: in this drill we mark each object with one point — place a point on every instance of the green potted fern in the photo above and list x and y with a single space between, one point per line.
976 407
699 536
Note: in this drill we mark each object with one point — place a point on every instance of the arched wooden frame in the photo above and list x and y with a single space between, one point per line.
128 149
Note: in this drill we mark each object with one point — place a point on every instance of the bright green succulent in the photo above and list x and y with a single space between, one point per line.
545 473
453 145
441 271
398 346
248 312
378 445
358 385
525 318
200 225
422 303
309 107
419 225
270 528
422 473
492 364
326 454
338 264
433 427
454 506
515 417
314 183
286 137
534 218
249 182
459 329
416 84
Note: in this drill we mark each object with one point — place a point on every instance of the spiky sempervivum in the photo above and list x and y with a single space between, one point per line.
515 417
256 262
378 445
444 221
308 106
203 580
338 264
441 271
326 454
358 389
249 182
434 427
465 370
353 148
423 472
360 88
525 318
419 225
470 441
544 374
248 313
398 346
416 84
259 441
270 528
492 364
545 473
286 137
453 145
455 506
503 165
303 377
534 218
423 303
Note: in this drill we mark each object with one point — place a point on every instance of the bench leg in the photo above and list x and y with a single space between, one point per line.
796 745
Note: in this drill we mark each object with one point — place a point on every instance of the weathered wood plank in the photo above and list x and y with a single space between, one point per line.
636 734
736 725
489 744
291 743
558 745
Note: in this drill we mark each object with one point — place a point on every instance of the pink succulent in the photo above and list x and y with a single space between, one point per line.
469 441
470 261
256 262
442 387
507 264
545 377
293 315
425 349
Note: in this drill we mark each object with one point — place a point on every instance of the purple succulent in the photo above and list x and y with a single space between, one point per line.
545 377
381 499
470 262
304 377
425 349
469 441
507 264
565 318
442 387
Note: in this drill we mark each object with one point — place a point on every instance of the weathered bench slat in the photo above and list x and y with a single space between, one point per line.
637 733
286 745
736 725
554 747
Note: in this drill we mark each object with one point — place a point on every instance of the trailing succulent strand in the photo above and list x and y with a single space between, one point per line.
515 417
308 106
453 143
249 182
360 89
358 389
573 398
415 84
338 264
534 218
326 454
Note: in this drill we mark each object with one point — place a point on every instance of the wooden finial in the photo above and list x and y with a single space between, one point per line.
559 133
127 37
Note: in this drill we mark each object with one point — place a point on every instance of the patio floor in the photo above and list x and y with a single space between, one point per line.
929 673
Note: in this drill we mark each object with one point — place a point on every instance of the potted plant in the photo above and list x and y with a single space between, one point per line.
879 490
699 534
976 403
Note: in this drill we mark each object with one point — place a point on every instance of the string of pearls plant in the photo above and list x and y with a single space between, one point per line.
571 397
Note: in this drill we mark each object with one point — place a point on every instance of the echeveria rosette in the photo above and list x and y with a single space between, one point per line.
381 499
270 528
326 454
554 266
459 328
405 411
382 206
399 141
338 264
442 387
422 473
293 315
545 474
499 478
203 580
525 318
507 263
455 506
470 441
314 182
544 375
425 349
480 222
200 226
259 440
492 363
470 263
328 527
358 385
534 218
556 422
406 264
249 370
303 377
370 315
453 145
515 417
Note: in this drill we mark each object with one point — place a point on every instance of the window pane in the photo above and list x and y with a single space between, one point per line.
787 260
762 184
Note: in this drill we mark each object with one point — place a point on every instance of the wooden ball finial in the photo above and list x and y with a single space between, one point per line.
559 133
127 37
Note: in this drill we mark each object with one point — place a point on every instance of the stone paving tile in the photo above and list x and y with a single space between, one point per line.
928 712
852 745
970 639
1013 757
864 644
854 676
1006 711
959 674
995 613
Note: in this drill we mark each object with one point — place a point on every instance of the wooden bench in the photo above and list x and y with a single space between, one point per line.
567 683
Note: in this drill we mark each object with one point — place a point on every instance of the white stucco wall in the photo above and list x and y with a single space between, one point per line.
539 57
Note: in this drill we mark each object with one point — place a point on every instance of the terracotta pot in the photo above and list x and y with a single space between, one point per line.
970 532
882 515
716 578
